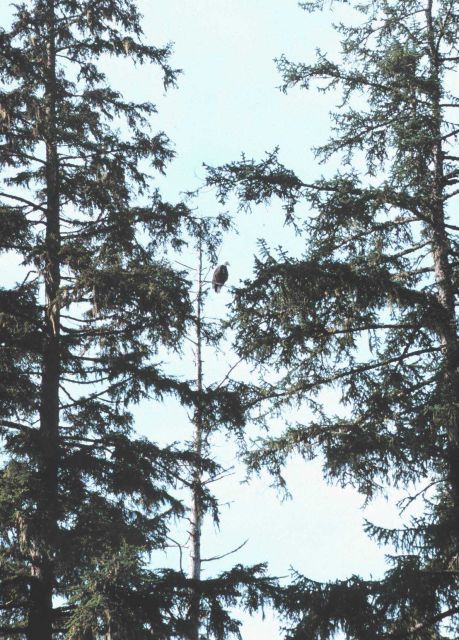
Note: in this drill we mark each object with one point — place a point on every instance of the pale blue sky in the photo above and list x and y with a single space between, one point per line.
227 102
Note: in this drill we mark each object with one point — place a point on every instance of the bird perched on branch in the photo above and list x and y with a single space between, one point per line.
220 276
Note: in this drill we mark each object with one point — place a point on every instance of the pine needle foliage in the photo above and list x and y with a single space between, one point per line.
219 407
84 501
369 309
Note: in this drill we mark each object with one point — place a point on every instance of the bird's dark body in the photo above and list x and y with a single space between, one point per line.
220 277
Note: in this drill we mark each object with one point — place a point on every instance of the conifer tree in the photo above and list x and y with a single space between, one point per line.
83 500
199 441
370 308
218 408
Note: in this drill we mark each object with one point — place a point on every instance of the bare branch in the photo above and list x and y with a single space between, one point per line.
225 555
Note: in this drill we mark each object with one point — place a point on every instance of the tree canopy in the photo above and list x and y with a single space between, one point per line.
83 498
369 308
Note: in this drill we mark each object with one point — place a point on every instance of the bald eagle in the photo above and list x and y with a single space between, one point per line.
220 276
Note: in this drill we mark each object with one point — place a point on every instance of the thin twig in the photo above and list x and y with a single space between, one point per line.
224 555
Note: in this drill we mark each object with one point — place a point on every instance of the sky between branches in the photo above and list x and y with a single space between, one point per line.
227 102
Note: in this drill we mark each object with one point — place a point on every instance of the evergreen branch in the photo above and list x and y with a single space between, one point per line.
409 250
378 227
368 327
24 200
451 134
15 425
404 503
426 624
22 154
301 387
226 473
95 380
444 23
451 194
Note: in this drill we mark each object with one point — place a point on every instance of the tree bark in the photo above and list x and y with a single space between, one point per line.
114 630
444 280
196 482
43 543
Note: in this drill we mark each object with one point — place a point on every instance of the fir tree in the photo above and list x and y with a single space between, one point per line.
218 408
82 498
84 501
369 308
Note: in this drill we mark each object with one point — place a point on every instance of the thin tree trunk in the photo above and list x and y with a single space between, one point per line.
44 538
444 280
196 484
114 630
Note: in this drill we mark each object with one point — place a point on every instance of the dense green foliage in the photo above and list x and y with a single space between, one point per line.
86 490
85 501
369 309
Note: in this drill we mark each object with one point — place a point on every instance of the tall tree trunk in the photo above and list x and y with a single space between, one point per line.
114 630
444 280
196 482
44 537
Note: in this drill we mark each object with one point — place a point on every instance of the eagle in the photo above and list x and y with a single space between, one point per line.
220 276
